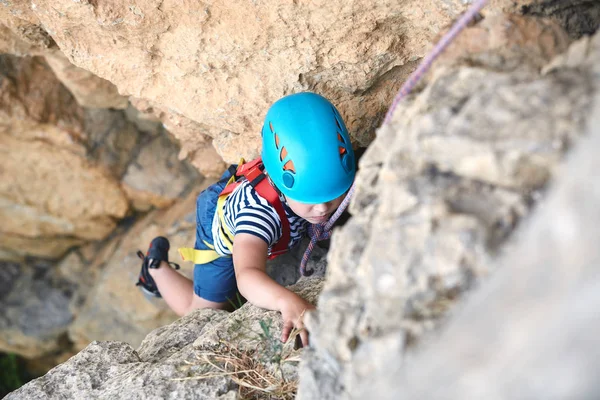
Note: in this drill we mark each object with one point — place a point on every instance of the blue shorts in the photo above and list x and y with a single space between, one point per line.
214 281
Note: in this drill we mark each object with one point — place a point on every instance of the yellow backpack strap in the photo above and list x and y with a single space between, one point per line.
224 232
206 256
199 256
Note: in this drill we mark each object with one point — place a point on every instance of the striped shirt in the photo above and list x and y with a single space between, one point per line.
245 211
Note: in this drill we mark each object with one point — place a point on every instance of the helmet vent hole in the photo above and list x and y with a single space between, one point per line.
276 141
289 166
342 150
341 138
288 180
283 154
335 116
347 162
271 127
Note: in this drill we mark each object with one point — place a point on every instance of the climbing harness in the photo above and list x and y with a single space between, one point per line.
253 171
323 231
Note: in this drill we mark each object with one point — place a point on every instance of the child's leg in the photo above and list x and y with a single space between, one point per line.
178 291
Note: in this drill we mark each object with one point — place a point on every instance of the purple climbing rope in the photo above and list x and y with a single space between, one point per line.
439 48
323 231
319 232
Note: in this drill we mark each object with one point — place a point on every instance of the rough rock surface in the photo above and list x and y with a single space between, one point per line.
222 64
168 362
24 26
535 337
43 160
439 191
578 17
507 42
35 309
460 167
62 165
88 89
40 300
196 147
156 177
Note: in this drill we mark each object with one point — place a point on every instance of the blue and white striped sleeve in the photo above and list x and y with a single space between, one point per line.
260 221
247 212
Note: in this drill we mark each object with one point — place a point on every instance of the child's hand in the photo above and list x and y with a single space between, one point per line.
292 308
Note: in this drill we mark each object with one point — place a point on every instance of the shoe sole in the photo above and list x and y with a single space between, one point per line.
148 294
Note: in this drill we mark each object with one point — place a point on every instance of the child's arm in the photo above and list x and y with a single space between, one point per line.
250 263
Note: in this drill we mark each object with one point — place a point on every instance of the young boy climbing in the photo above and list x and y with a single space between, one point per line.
306 167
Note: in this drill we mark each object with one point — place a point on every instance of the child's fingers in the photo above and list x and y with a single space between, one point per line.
304 337
285 332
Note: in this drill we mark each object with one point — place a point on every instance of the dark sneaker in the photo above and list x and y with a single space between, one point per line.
157 252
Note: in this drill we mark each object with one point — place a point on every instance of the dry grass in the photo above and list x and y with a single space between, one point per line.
258 377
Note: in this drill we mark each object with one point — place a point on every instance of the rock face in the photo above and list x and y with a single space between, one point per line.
439 192
170 363
62 165
43 159
220 65
579 17
531 338
35 309
69 176
89 90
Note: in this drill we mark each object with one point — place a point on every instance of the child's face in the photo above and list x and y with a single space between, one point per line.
315 213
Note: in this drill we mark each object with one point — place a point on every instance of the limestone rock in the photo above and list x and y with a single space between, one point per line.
156 177
222 65
41 208
49 189
166 341
196 146
168 361
113 370
35 309
111 140
506 42
88 89
19 18
534 337
437 195
578 17
41 299
12 43
64 167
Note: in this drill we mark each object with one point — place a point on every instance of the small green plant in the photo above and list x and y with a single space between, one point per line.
9 374
273 347
238 302
258 370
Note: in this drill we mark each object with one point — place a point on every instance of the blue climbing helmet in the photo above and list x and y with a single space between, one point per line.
306 149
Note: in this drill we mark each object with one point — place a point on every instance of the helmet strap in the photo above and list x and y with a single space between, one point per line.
281 196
